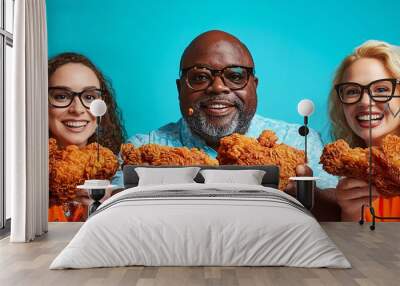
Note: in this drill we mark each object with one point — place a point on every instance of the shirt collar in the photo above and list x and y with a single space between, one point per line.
192 140
254 128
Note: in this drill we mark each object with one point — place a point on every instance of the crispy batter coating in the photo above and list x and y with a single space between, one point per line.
339 159
154 154
71 166
238 149
388 158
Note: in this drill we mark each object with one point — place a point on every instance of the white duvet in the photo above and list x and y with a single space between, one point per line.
201 224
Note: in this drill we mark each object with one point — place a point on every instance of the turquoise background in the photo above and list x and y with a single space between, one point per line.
296 45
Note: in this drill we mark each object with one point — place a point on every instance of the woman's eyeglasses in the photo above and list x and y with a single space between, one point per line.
200 78
381 90
60 97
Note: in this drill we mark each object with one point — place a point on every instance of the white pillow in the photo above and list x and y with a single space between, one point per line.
162 176
249 177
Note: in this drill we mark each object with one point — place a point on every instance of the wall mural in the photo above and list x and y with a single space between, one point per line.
103 115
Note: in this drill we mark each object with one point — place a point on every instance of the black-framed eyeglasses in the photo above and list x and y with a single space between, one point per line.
381 90
61 97
200 77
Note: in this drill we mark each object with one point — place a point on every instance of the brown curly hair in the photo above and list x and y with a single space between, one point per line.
112 130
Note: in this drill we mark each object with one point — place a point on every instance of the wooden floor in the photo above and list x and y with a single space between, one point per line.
374 255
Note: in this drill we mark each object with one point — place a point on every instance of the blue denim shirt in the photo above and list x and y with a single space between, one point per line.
178 134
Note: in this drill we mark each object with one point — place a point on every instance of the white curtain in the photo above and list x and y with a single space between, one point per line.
27 124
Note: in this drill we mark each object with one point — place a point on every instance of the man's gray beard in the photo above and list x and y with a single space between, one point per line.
212 134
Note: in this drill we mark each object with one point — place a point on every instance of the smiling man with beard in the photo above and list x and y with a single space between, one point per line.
217 86
217 95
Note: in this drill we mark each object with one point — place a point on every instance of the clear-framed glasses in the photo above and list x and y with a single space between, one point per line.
61 97
381 90
200 77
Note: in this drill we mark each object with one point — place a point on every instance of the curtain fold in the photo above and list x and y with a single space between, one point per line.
27 124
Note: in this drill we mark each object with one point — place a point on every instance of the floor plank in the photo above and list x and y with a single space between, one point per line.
374 255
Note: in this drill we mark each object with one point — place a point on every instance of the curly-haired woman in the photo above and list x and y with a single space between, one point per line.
74 82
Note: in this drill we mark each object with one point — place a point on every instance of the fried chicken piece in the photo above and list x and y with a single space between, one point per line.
237 149
131 155
387 157
52 146
103 167
268 138
71 166
66 171
52 152
154 154
339 159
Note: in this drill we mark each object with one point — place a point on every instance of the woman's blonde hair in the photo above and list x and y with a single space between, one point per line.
389 55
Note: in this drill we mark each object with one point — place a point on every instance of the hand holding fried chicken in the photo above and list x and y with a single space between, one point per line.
71 166
341 160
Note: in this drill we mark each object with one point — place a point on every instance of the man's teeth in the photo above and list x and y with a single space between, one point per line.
217 106
370 117
76 124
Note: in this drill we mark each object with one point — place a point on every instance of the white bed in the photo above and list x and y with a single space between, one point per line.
203 225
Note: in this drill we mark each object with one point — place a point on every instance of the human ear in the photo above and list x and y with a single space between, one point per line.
256 81
178 85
